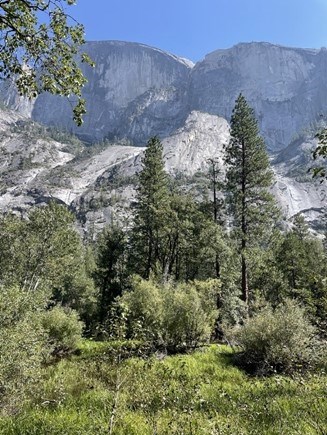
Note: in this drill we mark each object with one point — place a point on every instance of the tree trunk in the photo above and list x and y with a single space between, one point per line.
245 285
149 259
215 206
217 266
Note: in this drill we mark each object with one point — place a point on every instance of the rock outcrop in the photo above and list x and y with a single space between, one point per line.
287 87
98 183
133 91
136 91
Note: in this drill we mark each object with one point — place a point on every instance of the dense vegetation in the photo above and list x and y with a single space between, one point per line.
201 393
185 272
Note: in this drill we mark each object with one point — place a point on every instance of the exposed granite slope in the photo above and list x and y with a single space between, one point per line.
99 184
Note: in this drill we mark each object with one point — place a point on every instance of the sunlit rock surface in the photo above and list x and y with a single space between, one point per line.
98 184
136 91
287 87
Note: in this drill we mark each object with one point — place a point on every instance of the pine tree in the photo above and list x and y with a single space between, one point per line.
151 212
302 261
217 205
251 206
110 272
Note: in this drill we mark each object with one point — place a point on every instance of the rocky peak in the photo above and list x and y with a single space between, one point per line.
136 91
99 183
124 73
285 86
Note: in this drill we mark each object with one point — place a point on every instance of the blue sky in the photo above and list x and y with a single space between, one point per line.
193 28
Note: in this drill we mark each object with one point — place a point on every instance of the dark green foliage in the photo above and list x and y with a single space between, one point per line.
250 204
321 153
216 186
185 238
151 212
266 278
110 274
173 235
249 175
303 263
190 243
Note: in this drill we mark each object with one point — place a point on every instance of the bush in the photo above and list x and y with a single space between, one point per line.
63 328
142 309
189 315
280 340
23 346
176 317
29 333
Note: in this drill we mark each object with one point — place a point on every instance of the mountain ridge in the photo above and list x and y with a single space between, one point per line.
136 91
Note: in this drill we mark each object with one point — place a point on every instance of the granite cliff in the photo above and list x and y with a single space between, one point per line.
133 91
287 87
136 91
98 182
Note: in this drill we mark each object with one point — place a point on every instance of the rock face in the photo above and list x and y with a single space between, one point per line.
299 197
287 87
295 189
133 91
98 183
136 91
188 150
26 156
201 138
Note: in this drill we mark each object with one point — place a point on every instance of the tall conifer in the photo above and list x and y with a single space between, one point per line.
150 218
251 206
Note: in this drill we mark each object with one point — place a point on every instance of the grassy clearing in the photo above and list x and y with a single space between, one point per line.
99 392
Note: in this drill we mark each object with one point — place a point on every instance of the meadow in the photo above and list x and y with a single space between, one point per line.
121 388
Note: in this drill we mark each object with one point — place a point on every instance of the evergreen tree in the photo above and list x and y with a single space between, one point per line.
251 206
148 235
110 273
321 153
324 225
184 228
217 203
302 261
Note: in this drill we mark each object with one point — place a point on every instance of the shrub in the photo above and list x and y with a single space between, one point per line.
142 308
189 315
280 340
174 316
63 328
23 345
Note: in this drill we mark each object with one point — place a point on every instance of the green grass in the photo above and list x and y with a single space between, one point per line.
201 393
